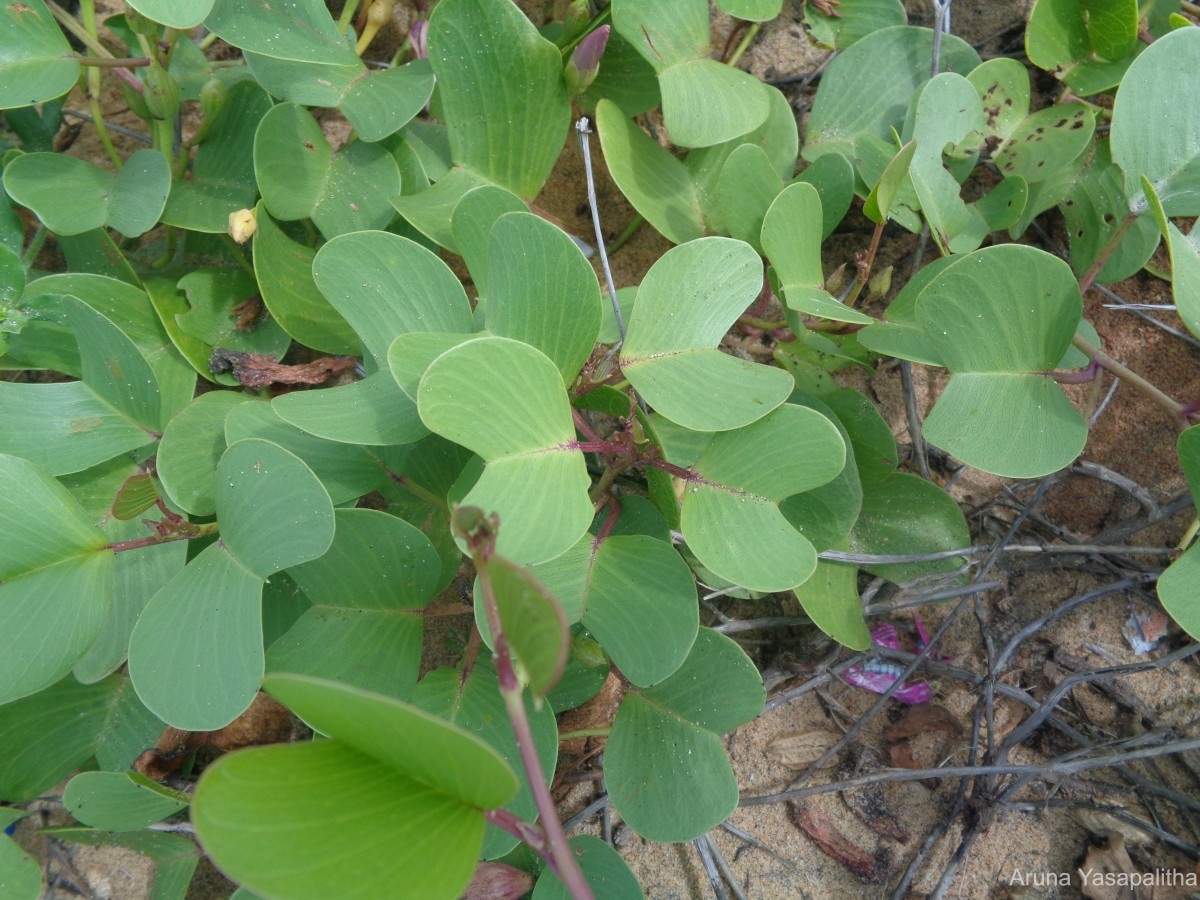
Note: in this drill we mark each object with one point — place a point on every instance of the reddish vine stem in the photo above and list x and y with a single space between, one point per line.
481 542
1089 278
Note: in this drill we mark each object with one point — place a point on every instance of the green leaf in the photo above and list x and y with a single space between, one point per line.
906 514
346 471
833 177
999 318
196 655
878 205
1185 265
293 820
359 630
1155 135
869 87
852 21
791 239
190 448
1177 585
533 623
751 10
222 179
112 365
213 296
1046 142
301 177
372 411
830 598
654 181
501 90
730 515
686 303
181 14
478 708
376 104
20 873
542 291
521 425
748 185
665 766
1112 26
120 801
430 211
408 740
49 735
625 79
472 221
301 30
603 868
71 196
273 511
283 269
35 62
54 579
635 594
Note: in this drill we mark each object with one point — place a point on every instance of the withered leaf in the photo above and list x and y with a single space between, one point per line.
870 805
867 868
921 720
801 749
256 370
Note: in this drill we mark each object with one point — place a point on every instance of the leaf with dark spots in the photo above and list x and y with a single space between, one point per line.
256 370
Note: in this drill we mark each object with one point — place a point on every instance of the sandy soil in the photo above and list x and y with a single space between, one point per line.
1130 438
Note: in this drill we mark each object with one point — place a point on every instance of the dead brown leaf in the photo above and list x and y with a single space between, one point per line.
1108 873
256 370
921 720
800 749
866 867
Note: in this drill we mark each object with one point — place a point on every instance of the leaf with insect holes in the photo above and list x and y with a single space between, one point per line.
666 770
730 514
505 401
686 303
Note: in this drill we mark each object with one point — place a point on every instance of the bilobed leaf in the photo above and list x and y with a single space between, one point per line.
665 767
299 30
748 185
273 511
999 318
791 240
120 801
505 401
35 62
48 735
686 302
265 817
730 516
55 577
1155 133
376 104
222 172
112 365
196 655
868 87
542 291
472 221
301 177
71 196
501 90
430 211
656 183
190 448
606 873
478 708
283 269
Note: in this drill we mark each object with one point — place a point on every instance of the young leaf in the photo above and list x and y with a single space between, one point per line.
505 401
852 21
36 65
120 801
730 516
666 770
71 196
791 239
301 177
501 90
533 623
300 30
542 291
999 318
1062 38
686 303
1154 133
1185 264
748 185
